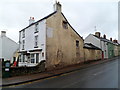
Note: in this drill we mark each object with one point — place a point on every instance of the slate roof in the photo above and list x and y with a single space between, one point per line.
48 17
91 46
40 20
103 39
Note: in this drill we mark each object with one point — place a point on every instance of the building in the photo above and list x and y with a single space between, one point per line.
51 40
116 47
110 49
99 42
7 48
92 52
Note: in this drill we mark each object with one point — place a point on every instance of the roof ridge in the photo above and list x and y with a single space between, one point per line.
72 27
39 20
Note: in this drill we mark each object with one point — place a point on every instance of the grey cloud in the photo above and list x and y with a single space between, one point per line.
83 16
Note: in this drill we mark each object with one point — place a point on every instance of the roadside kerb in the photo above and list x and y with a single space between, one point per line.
58 74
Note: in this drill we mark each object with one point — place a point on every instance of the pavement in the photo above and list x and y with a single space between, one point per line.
103 75
35 77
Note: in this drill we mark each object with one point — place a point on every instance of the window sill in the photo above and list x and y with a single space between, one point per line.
36 47
36 31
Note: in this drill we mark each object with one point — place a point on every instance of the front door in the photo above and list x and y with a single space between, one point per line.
102 55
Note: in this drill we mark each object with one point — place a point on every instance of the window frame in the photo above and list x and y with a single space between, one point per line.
20 60
36 42
37 58
23 44
77 43
36 28
32 58
65 24
23 57
23 34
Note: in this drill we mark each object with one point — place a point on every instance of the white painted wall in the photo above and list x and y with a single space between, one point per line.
9 47
105 48
93 40
30 41
97 42
119 34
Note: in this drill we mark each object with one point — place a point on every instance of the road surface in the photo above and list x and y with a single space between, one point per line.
98 76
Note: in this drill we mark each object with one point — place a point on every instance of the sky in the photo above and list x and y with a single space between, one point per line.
83 15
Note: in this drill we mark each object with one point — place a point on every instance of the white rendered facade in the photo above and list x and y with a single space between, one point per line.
7 48
32 45
99 43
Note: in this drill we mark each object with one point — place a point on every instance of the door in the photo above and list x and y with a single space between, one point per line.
102 55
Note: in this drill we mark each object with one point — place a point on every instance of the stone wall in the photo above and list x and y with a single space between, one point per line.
18 71
61 47
92 54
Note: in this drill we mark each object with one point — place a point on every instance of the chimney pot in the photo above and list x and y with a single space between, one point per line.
3 33
57 6
97 34
110 39
104 36
31 20
115 41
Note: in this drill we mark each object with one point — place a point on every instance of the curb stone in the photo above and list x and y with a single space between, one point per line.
105 61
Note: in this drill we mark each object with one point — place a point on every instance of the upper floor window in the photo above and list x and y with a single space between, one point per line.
65 24
23 58
36 41
23 33
23 44
77 43
36 27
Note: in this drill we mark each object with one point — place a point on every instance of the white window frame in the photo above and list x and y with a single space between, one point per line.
32 58
23 44
36 41
23 58
36 28
20 60
23 34
37 61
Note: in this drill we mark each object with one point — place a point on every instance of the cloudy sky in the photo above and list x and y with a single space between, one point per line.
83 15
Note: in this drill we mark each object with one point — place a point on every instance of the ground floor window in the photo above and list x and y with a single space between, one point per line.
37 57
23 58
32 58
19 58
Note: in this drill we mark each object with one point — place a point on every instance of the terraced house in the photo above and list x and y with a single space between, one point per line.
116 47
50 40
110 48
8 48
98 41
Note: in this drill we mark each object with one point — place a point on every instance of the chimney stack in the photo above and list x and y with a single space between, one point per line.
31 20
57 6
110 39
115 41
104 36
3 33
97 34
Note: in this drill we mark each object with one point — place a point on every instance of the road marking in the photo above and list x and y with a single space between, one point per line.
97 73
64 74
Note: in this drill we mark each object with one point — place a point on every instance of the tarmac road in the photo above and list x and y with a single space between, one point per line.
104 75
